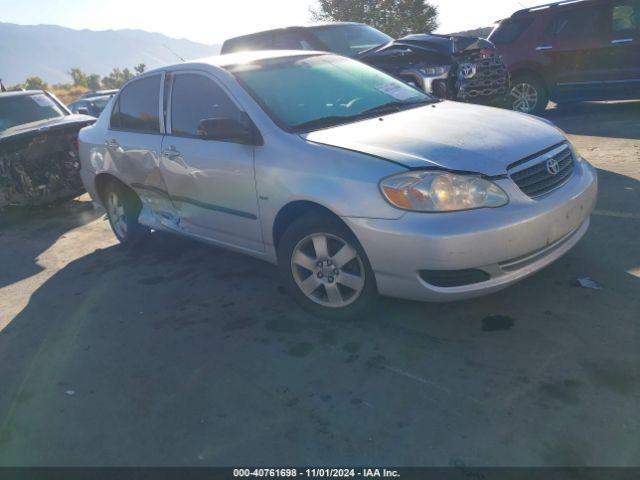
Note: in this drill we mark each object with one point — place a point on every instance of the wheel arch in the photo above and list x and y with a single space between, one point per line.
295 209
102 179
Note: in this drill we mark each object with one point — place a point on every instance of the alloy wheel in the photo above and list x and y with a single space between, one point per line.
328 270
525 97
117 214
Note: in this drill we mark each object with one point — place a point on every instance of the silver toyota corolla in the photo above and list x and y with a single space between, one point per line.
353 182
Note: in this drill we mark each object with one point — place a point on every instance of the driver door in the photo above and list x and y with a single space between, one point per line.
211 182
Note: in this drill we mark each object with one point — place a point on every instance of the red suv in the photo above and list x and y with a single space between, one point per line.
571 51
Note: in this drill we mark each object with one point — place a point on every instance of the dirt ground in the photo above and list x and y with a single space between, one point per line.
183 354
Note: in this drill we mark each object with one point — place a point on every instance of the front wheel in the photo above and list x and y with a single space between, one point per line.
528 95
325 268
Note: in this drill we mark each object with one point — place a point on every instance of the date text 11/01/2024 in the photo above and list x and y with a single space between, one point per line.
316 473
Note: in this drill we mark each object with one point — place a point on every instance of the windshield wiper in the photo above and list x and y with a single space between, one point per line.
392 107
333 120
321 122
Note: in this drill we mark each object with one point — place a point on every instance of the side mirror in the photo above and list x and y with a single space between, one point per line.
83 111
228 129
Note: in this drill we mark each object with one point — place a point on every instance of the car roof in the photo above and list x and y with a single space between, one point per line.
547 6
229 59
310 26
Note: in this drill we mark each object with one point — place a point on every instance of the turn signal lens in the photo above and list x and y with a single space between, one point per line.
441 192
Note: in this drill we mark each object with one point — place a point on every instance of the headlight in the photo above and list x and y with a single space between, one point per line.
435 71
427 191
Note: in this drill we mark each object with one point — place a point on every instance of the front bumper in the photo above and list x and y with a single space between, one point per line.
508 243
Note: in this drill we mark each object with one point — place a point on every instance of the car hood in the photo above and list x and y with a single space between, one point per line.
448 135
42 126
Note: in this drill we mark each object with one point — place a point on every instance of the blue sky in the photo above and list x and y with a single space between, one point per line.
211 21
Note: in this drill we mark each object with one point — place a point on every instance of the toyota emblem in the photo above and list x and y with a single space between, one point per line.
468 70
553 167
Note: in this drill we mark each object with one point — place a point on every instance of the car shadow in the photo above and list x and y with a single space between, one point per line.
23 242
598 119
178 353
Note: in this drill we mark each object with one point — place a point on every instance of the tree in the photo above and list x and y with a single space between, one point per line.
79 77
117 78
140 68
93 81
35 83
394 17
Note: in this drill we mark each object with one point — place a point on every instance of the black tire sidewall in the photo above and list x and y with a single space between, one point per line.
309 225
132 206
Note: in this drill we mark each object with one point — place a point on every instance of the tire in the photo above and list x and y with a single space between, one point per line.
336 288
123 208
528 94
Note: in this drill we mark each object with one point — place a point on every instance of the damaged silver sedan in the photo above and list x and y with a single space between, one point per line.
353 182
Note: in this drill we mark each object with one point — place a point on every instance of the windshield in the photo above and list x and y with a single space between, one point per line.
350 40
311 92
21 109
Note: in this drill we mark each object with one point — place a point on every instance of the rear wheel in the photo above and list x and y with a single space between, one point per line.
528 94
123 208
325 268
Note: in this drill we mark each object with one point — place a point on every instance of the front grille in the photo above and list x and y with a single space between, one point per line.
491 78
537 180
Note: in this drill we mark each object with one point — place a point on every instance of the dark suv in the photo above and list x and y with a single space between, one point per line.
459 68
571 51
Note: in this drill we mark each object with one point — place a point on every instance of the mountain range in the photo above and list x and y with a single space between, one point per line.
50 51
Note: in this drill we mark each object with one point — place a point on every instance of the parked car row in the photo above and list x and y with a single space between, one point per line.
564 51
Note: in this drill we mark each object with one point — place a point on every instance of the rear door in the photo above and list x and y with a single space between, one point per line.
574 50
623 59
134 141
211 183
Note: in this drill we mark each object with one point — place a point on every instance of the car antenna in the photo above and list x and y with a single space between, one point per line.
2 89
167 47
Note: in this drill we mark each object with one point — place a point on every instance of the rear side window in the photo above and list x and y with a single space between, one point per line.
510 30
575 24
194 98
137 106
626 16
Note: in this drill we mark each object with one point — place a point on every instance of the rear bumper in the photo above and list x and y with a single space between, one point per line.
508 243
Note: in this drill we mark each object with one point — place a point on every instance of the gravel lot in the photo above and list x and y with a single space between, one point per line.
183 354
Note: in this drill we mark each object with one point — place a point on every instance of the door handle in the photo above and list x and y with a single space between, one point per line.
171 153
544 47
113 145
618 41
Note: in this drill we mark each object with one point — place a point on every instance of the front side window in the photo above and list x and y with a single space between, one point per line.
303 93
350 40
194 98
510 30
626 16
137 106
21 109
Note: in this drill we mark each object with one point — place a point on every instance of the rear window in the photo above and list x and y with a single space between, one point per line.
510 30
138 106
260 41
22 109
